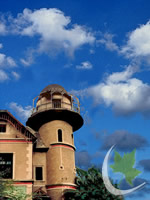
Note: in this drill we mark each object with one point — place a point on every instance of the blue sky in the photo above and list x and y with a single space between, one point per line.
98 50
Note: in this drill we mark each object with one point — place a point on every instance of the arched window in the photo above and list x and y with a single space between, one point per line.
72 137
59 135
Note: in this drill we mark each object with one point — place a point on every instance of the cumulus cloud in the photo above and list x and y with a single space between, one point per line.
84 65
145 164
124 141
23 113
136 47
26 62
122 76
107 41
122 92
15 75
6 65
30 56
53 28
3 76
2 28
6 61
138 43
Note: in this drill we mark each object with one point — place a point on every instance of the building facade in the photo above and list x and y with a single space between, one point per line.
39 157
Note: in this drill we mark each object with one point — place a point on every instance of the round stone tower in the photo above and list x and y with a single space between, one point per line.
56 116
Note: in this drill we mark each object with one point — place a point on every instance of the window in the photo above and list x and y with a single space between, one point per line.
2 128
59 135
39 173
56 103
6 165
72 137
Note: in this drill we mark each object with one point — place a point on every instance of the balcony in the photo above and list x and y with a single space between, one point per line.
56 104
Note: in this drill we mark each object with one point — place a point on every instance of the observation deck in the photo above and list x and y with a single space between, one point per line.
55 103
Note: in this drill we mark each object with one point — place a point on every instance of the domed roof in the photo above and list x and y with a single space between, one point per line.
54 88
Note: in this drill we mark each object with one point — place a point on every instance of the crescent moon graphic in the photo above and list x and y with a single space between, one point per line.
107 182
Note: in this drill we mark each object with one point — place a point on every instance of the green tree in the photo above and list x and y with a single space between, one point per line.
90 186
10 192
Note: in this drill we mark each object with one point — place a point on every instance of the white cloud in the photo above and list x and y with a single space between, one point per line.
2 28
122 76
30 54
15 75
51 25
125 94
138 44
6 61
3 76
84 65
10 62
26 62
23 113
107 40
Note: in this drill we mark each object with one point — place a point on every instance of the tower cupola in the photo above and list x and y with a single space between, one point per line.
54 102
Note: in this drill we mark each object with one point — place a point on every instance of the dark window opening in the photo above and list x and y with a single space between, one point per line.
6 165
59 135
56 103
2 128
39 173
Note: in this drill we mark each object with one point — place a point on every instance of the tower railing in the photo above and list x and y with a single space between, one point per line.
56 105
53 103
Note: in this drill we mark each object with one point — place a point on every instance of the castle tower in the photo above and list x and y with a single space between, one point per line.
55 118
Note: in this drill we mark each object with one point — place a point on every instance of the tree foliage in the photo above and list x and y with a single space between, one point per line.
90 186
9 191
